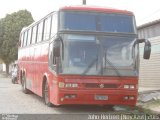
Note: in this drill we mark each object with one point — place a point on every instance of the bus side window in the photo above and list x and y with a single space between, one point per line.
34 34
54 60
22 39
54 25
25 38
47 26
40 32
29 36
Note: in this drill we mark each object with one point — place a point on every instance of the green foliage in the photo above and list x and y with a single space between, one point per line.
10 28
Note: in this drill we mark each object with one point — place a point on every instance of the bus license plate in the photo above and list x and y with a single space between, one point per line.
101 97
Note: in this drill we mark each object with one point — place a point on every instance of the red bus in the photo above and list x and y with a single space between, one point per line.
82 55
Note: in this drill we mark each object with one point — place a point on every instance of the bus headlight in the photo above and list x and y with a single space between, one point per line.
129 86
126 86
131 98
61 84
71 85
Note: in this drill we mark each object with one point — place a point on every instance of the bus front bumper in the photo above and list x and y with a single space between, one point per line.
97 97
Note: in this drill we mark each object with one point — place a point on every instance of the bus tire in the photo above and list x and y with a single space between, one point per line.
45 93
24 89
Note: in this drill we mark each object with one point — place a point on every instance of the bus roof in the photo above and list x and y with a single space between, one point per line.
96 9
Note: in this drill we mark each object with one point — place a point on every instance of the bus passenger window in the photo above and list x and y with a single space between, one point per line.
54 25
25 38
34 34
29 36
40 31
47 28
22 39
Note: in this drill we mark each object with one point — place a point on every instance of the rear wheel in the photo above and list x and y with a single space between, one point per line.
24 89
46 95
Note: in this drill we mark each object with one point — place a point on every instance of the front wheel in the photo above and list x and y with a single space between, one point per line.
46 95
24 89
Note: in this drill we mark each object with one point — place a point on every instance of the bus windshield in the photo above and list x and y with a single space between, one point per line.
98 55
92 21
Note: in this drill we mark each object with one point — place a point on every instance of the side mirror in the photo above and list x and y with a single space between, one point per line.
56 47
147 47
147 50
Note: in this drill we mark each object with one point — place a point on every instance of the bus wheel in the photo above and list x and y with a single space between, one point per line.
45 93
24 89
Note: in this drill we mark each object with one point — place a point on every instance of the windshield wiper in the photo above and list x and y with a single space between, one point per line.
90 66
110 63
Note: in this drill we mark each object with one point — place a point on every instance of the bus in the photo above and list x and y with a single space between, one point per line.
82 55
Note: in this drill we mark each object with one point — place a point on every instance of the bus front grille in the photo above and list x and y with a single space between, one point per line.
96 85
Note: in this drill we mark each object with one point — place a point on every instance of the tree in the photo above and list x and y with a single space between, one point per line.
10 28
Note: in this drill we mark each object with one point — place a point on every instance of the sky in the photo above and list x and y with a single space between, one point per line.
144 10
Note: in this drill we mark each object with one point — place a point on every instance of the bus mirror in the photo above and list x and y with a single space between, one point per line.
56 47
147 50
147 47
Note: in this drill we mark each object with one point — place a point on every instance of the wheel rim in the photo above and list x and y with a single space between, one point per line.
46 93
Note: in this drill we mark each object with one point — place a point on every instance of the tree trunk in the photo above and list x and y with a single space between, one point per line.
7 68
